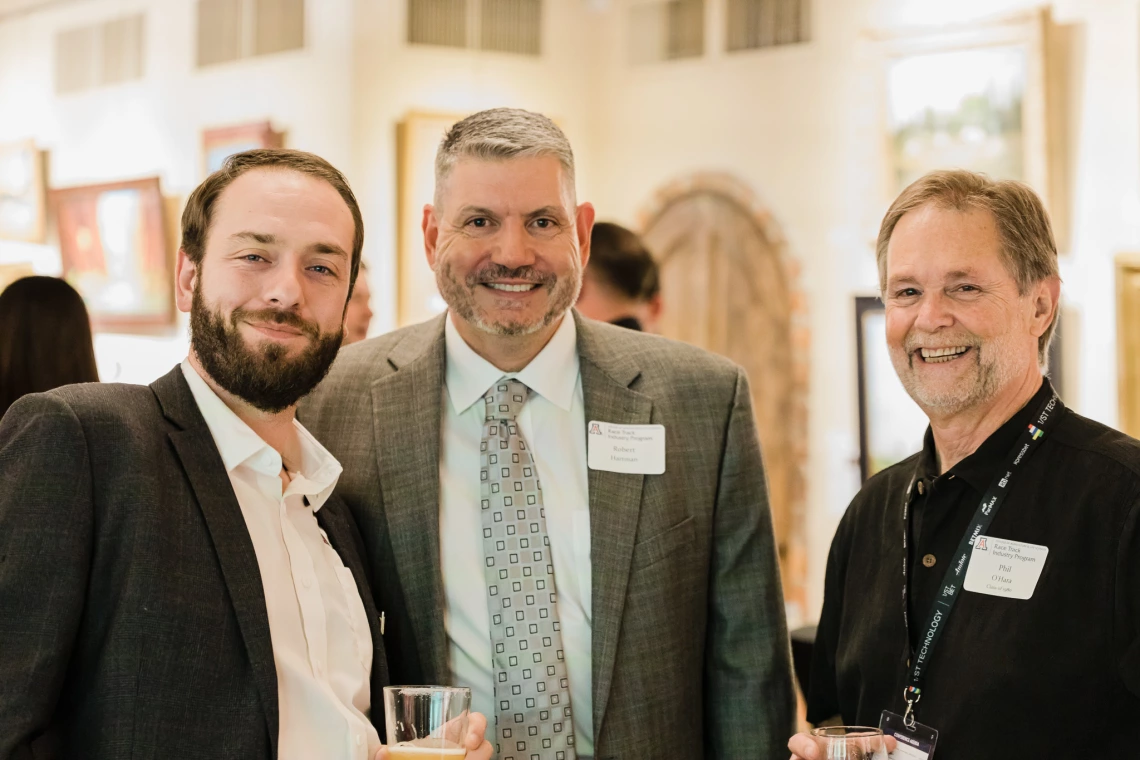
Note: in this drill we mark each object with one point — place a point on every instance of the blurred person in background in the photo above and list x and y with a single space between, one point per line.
621 284
359 313
45 339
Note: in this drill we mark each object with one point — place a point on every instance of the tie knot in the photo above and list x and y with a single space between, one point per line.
505 399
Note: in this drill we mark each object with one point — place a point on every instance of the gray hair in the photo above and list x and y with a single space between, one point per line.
502 133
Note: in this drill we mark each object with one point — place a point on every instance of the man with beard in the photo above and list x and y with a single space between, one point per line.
988 587
176 580
511 448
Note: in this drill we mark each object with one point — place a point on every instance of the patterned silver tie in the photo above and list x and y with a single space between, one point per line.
532 695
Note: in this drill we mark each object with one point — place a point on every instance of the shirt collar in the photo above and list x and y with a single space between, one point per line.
553 374
981 467
239 445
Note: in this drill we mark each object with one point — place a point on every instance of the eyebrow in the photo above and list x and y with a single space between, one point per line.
268 239
547 211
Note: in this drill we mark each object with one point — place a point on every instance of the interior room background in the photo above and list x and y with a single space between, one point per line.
756 144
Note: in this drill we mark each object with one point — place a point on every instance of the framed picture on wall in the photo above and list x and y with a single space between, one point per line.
22 192
417 139
9 273
219 144
113 246
988 97
891 425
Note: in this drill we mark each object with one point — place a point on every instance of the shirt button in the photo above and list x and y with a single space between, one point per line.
929 560
359 740
921 490
307 582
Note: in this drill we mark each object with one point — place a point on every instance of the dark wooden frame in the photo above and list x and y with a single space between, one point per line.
863 306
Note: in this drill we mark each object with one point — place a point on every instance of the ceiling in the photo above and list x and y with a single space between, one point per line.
10 8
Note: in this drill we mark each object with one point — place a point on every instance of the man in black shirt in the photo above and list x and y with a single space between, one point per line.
988 587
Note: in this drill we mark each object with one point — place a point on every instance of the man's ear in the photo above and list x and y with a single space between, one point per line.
1046 301
430 227
185 278
584 222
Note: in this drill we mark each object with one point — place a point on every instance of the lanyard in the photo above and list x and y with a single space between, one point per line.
991 502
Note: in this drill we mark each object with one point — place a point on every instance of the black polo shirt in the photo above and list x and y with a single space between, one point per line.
1056 675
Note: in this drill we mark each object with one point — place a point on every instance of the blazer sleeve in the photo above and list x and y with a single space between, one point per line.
749 698
46 526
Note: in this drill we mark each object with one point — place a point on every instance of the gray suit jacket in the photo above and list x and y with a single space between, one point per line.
132 615
690 649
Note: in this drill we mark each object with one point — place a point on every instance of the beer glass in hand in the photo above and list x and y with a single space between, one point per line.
426 722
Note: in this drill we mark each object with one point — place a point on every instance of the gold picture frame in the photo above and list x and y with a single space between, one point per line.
989 97
23 193
417 139
221 143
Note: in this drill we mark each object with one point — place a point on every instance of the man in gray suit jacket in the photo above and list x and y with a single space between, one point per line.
176 580
515 448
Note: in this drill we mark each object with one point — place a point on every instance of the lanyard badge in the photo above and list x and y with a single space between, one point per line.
943 606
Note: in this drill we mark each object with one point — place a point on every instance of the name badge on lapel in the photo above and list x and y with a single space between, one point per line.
1000 567
633 449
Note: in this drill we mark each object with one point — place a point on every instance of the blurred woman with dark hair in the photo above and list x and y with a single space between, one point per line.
45 339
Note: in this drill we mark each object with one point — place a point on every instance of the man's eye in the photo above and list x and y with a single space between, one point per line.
479 222
253 257
906 293
968 289
321 269
544 223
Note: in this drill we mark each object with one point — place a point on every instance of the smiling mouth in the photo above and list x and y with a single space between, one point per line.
508 288
942 355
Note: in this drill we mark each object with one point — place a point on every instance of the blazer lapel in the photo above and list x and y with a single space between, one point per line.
407 408
207 475
615 500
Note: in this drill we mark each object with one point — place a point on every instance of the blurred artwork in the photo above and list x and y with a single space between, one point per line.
113 246
220 144
891 425
958 109
22 203
417 139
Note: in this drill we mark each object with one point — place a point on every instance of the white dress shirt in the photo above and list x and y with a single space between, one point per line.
553 423
322 646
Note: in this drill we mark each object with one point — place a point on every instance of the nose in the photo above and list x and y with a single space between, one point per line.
514 249
934 312
283 286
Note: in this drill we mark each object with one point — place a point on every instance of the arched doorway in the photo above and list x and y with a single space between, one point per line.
729 287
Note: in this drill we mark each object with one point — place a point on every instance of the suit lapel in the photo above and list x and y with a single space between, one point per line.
407 408
207 475
615 500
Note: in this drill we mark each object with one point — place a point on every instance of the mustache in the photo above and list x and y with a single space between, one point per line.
277 316
491 272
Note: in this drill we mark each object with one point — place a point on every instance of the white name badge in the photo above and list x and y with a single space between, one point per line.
634 449
1000 567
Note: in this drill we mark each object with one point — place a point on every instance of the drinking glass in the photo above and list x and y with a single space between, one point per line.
426 722
850 743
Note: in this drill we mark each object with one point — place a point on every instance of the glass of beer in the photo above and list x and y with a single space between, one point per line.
850 743
426 722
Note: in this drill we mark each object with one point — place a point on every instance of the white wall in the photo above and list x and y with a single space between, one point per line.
153 126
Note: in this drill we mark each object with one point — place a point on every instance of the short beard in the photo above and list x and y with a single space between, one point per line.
460 297
264 377
994 369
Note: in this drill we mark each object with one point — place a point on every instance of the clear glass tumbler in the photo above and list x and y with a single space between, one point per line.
850 743
426 722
